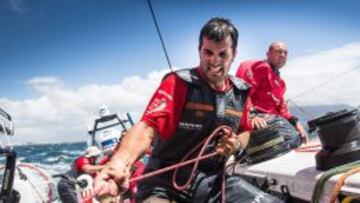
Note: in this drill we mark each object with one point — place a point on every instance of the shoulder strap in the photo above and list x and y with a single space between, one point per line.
189 76
239 83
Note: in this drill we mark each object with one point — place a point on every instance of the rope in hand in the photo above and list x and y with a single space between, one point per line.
202 146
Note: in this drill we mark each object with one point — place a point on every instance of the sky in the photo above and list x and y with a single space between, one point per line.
61 60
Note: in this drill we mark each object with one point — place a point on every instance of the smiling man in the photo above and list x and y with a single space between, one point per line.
187 107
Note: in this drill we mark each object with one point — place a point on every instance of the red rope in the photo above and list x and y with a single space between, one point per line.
171 167
309 148
185 162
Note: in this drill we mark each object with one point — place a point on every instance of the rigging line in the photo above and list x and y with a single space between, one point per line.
301 109
326 81
159 33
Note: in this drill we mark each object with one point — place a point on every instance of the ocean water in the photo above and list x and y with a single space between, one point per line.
54 158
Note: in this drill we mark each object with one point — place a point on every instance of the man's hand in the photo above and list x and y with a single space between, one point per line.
230 143
258 123
113 179
303 135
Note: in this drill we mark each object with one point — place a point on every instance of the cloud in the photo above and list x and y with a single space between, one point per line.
62 114
326 77
45 83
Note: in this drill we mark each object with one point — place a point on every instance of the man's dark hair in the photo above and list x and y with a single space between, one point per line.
218 29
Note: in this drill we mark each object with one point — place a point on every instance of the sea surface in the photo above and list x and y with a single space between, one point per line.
54 158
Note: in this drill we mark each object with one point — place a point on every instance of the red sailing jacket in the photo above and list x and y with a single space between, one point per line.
267 87
167 104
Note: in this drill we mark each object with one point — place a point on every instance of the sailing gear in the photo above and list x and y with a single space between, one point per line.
339 133
201 110
165 107
204 110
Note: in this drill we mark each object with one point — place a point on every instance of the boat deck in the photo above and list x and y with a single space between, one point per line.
297 171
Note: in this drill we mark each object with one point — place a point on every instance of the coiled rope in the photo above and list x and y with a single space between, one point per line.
202 146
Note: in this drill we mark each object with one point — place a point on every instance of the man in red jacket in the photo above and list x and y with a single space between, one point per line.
188 105
267 86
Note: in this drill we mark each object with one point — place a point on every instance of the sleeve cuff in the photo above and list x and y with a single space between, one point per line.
293 120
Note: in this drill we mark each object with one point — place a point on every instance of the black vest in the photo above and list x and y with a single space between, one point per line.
204 111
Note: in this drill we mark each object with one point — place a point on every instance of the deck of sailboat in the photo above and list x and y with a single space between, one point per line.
297 171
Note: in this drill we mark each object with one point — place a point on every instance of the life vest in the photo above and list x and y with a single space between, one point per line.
205 109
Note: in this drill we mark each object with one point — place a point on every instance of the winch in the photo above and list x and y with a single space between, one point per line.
339 134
